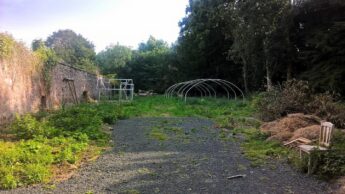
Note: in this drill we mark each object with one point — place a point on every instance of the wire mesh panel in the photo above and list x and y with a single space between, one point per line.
115 89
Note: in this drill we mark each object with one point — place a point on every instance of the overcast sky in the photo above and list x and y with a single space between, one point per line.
103 22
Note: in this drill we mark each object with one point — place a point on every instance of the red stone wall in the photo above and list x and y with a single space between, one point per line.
60 90
22 89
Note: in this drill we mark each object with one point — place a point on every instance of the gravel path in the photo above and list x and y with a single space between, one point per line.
191 159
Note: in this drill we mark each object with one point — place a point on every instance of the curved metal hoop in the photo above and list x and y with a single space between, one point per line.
205 87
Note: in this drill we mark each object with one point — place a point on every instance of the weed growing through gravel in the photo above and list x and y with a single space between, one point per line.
234 117
158 134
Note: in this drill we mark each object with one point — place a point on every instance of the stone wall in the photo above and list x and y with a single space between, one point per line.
68 81
22 90
20 86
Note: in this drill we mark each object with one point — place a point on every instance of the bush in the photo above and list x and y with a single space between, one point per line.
76 119
79 119
54 138
109 112
328 164
24 163
297 97
326 107
28 162
66 149
28 127
292 98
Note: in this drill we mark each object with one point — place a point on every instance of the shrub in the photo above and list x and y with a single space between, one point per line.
24 163
109 112
67 149
326 106
328 164
293 97
28 127
28 162
296 96
79 119
54 138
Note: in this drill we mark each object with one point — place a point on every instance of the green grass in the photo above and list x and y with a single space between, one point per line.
158 134
158 106
257 149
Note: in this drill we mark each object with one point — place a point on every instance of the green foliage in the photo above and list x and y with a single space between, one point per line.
291 98
331 163
113 58
296 96
260 38
321 44
73 48
211 108
28 162
246 42
109 112
52 139
49 60
258 150
152 66
203 43
158 134
77 119
24 163
28 127
67 149
7 44
86 119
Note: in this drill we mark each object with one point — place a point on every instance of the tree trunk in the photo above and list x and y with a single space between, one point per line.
289 72
268 77
244 74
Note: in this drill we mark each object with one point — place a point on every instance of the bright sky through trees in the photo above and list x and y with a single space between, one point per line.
103 22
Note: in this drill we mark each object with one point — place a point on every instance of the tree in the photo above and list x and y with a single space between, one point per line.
152 66
37 44
203 43
73 48
260 36
113 58
320 40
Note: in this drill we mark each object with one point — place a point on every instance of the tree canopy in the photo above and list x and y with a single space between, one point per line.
73 49
113 58
255 44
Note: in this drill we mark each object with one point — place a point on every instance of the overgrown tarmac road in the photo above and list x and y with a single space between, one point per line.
178 155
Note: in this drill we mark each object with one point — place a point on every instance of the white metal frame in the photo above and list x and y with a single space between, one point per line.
125 88
205 87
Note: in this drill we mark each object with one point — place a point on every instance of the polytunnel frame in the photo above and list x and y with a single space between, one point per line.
203 86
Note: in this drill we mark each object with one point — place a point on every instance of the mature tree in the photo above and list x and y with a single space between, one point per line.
113 58
73 48
152 66
37 44
203 44
260 33
320 40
